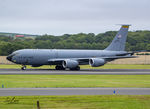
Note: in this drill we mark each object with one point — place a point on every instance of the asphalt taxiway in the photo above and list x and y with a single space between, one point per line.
73 91
81 72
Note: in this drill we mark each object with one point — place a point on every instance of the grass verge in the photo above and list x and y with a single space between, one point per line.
37 81
77 102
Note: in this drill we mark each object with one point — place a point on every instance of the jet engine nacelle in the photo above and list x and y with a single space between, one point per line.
70 63
96 62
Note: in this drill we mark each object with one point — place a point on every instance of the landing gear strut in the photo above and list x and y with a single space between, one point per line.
23 67
59 67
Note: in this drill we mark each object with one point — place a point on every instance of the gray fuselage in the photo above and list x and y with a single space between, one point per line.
41 56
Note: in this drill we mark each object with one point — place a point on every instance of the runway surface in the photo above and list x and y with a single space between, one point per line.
72 91
81 72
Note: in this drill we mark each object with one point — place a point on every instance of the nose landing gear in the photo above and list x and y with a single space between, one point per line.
23 67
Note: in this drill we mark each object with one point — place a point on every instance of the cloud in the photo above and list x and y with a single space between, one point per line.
71 16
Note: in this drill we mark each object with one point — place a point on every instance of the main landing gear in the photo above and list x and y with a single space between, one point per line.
23 67
76 68
59 67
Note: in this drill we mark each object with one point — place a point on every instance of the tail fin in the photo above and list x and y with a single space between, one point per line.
118 43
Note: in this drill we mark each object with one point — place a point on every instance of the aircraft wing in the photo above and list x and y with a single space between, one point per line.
83 61
118 57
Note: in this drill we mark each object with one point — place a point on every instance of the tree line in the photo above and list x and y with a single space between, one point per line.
138 40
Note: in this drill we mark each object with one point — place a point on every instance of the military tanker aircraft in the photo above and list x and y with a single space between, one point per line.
72 59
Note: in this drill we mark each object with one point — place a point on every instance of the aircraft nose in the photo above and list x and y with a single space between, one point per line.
9 57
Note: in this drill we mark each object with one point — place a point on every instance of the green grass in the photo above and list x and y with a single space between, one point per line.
107 66
13 81
15 66
78 102
117 66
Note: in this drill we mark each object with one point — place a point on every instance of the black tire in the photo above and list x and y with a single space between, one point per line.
76 68
23 68
59 68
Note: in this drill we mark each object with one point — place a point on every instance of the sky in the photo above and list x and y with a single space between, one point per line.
58 17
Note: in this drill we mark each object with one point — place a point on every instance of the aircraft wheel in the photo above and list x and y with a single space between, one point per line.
76 68
23 68
59 68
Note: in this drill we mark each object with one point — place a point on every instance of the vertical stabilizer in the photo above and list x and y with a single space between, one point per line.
118 43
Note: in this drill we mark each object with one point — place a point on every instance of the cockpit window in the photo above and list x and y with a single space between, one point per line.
14 53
